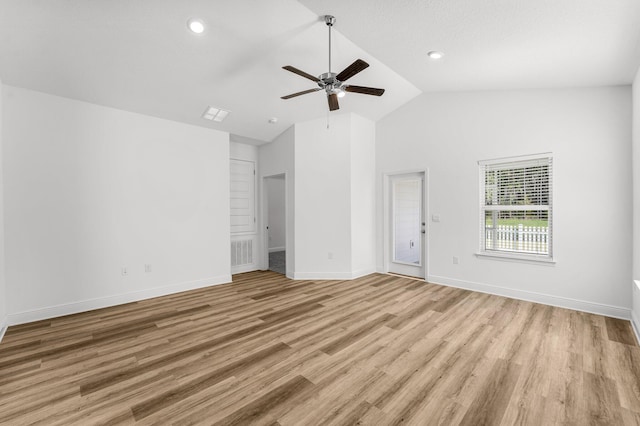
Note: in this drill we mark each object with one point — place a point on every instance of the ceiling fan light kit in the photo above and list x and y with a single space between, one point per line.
334 83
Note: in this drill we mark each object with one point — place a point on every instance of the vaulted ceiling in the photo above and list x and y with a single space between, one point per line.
139 55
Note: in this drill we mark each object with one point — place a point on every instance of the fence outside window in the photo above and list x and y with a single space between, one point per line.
520 238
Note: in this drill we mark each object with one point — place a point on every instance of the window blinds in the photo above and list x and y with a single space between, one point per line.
518 185
516 205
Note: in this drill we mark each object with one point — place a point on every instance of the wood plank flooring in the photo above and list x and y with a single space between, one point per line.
379 350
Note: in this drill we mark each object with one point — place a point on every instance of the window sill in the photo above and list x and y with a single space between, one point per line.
515 257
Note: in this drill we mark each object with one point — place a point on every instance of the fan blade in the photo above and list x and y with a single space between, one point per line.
352 70
364 90
304 92
301 73
333 102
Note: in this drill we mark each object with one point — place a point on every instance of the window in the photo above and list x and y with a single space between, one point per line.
516 207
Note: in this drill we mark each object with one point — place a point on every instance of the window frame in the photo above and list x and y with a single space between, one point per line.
509 254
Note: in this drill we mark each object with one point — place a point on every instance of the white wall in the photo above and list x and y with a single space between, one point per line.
242 151
3 291
588 132
335 197
323 198
636 199
277 157
276 191
363 195
90 189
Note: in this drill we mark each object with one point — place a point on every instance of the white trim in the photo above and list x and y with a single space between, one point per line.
263 264
276 249
321 276
103 302
517 257
363 272
529 296
387 176
515 158
635 321
333 275
635 325
509 163
4 324
244 268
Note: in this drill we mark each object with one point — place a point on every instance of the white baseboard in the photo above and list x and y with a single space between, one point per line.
244 268
321 276
635 307
4 324
333 275
562 302
276 249
103 302
363 272
635 324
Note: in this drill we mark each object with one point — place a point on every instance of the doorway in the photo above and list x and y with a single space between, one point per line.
406 247
275 223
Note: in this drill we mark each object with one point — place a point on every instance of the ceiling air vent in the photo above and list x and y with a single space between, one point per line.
215 114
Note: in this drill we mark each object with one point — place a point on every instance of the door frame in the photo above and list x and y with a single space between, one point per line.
253 235
264 219
386 215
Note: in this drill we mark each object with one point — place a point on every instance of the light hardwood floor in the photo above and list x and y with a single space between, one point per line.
378 350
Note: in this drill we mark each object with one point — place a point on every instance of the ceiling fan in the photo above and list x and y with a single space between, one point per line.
334 83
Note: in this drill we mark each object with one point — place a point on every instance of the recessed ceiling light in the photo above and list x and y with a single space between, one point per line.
434 54
196 25
215 114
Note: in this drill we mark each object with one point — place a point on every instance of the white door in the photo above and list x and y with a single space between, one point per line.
244 236
243 187
407 227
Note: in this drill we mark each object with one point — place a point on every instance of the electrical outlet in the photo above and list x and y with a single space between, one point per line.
330 256
147 267
124 271
456 260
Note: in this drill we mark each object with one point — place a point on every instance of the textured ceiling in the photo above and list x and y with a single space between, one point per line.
139 56
496 44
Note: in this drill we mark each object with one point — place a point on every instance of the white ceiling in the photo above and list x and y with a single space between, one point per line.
139 55
496 44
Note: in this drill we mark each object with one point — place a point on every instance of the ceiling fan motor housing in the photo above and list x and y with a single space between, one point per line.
329 83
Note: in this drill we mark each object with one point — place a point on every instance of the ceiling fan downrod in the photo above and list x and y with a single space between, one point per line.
329 20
